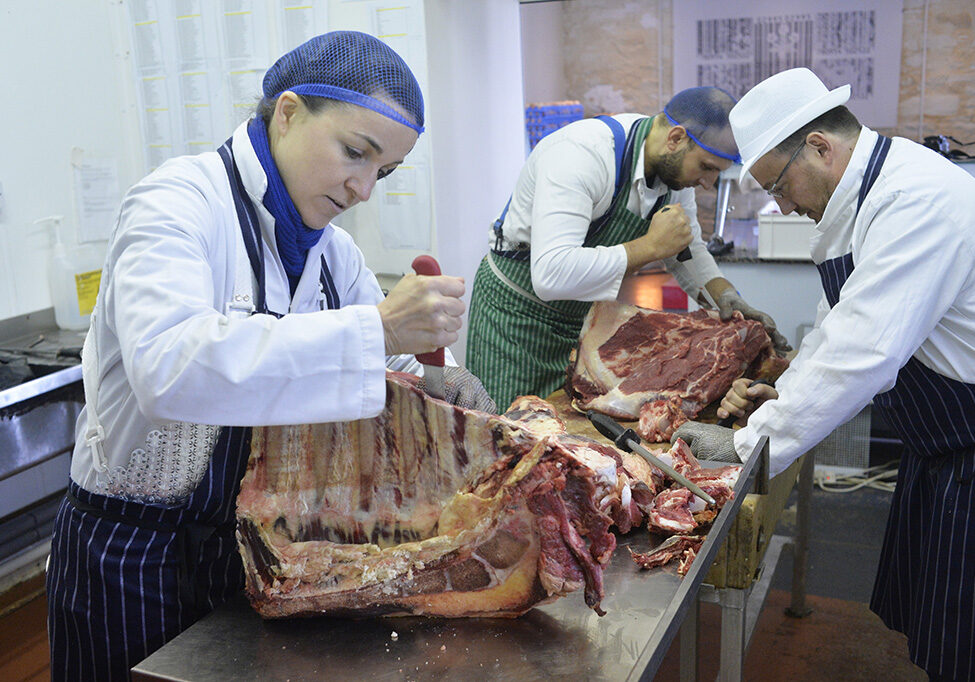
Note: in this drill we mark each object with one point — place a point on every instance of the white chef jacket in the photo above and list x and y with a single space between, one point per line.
912 293
166 351
566 183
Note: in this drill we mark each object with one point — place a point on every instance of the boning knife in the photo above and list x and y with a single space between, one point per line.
629 441
432 362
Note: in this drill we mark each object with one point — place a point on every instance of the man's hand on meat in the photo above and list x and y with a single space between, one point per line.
742 399
465 390
708 441
730 300
669 233
422 314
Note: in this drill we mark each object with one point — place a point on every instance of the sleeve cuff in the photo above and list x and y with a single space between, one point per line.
373 358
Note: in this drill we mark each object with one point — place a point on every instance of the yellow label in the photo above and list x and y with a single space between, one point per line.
87 285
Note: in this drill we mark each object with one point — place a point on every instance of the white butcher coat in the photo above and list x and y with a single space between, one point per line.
166 351
912 292
566 183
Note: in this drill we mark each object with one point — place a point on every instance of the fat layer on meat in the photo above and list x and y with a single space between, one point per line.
430 509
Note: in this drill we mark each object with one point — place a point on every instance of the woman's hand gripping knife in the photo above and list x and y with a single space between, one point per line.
422 314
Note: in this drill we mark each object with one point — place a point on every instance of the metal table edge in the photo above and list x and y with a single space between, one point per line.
659 643
39 386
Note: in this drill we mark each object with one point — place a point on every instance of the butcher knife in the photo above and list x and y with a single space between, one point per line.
629 441
432 362
730 420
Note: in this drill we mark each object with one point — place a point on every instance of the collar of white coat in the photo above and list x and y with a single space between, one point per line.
255 182
842 205
277 293
639 180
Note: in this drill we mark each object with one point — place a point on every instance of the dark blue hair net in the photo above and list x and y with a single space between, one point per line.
352 67
703 113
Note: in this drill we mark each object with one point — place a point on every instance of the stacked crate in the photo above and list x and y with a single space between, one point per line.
542 119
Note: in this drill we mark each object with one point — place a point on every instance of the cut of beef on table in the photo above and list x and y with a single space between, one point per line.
430 509
662 368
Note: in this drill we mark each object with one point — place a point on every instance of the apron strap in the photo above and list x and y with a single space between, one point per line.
328 287
243 303
623 150
619 147
872 172
90 380
514 287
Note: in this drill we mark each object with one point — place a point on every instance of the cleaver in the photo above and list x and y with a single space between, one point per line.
432 362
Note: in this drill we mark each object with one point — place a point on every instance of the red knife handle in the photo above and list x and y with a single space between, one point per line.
428 265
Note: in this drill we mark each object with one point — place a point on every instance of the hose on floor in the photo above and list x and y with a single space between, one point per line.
880 477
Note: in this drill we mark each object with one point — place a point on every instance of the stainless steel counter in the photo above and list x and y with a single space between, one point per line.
37 424
564 639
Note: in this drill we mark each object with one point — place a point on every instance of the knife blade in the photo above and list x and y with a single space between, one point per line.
432 362
629 441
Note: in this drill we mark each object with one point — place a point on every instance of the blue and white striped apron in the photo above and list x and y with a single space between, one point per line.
925 583
124 577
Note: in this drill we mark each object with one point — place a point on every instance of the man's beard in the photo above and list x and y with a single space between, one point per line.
668 167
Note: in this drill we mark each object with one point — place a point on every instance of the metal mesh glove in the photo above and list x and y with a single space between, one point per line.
708 441
729 301
464 390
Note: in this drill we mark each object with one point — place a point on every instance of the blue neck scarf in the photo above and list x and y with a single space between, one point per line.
293 237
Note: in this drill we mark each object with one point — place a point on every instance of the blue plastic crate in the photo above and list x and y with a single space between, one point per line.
542 119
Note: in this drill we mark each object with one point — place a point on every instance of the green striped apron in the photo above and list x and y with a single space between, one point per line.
519 346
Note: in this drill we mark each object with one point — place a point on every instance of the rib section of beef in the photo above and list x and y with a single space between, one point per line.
661 368
430 509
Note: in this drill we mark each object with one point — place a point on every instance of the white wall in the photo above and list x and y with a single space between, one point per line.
476 126
789 292
62 81
542 53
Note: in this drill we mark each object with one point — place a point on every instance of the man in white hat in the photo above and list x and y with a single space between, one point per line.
895 248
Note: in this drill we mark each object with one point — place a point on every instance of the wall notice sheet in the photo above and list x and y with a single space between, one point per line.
735 44
96 192
199 65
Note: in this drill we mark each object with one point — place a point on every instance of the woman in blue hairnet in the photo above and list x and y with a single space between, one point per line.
229 300
595 201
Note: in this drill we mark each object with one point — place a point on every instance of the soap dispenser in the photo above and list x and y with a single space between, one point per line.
74 274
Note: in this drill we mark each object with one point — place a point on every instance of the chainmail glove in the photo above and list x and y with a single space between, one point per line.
464 390
708 441
729 301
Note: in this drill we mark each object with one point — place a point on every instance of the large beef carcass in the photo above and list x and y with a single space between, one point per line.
430 509
662 368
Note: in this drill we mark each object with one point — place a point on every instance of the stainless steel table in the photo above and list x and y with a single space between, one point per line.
564 639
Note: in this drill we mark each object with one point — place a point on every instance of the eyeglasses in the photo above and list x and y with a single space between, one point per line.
774 191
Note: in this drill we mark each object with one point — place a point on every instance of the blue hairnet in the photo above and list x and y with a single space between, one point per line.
352 67
703 113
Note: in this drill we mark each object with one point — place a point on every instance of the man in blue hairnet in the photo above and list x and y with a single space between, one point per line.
595 201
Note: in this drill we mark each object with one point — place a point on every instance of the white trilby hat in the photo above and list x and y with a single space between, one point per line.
777 107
